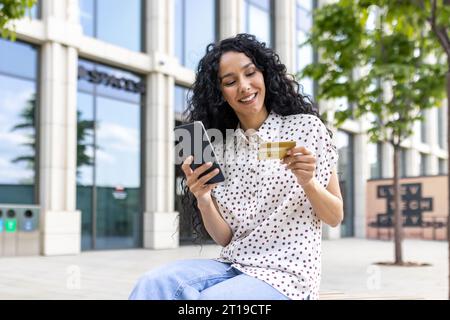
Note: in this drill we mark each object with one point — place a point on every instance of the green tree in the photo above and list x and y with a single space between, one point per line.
393 69
11 10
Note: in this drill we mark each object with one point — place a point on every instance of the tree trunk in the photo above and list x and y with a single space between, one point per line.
398 219
448 172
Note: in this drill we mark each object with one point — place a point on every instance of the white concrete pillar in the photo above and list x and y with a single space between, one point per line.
61 222
230 18
387 154
361 174
160 26
285 33
161 224
412 163
443 118
433 161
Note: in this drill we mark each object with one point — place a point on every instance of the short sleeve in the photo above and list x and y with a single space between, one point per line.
326 154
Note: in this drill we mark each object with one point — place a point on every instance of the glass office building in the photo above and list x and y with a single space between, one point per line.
87 116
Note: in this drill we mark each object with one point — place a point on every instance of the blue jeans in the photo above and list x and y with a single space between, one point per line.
201 279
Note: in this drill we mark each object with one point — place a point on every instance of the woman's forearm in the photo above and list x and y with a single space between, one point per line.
328 207
216 226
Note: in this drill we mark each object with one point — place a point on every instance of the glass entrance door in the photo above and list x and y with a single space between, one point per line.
109 170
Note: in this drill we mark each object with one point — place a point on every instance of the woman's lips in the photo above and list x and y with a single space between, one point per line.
255 95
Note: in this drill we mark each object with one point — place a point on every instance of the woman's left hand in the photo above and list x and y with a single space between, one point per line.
302 163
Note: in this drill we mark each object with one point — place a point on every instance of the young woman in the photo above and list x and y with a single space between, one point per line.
267 215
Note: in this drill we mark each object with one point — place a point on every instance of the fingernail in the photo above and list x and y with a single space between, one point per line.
209 163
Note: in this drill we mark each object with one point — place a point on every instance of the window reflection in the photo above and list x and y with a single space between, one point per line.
181 98
18 59
115 21
195 25
257 20
17 122
35 10
304 53
86 9
108 170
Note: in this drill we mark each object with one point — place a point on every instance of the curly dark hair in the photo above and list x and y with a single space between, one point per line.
207 104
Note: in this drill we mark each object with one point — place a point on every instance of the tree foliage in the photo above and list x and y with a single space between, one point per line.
11 10
381 56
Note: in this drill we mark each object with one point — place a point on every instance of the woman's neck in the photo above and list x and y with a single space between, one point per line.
254 121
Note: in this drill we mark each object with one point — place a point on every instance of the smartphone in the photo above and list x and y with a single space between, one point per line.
192 139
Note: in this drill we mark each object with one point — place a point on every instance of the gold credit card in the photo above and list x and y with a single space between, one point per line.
274 150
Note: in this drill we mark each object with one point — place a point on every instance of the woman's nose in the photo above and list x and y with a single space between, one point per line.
245 86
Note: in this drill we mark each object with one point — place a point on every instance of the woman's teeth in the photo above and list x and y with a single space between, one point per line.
249 98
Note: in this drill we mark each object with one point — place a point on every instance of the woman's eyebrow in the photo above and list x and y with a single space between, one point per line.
231 73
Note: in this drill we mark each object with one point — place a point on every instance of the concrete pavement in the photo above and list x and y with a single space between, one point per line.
347 267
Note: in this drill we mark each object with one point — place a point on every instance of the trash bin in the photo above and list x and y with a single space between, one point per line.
28 242
9 232
19 230
1 232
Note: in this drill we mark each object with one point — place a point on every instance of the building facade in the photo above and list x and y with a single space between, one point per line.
91 91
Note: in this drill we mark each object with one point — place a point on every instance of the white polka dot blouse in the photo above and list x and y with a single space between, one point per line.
276 234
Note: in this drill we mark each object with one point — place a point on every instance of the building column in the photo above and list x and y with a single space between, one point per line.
230 18
161 223
432 128
412 163
60 221
285 33
387 154
361 175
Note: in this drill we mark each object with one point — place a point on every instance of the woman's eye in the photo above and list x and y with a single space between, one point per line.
250 74
229 83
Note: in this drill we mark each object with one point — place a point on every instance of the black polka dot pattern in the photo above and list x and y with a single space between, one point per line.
276 234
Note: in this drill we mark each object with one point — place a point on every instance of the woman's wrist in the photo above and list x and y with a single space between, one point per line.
311 185
204 203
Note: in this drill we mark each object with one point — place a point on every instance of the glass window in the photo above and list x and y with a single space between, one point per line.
114 21
403 163
423 164
375 160
195 25
257 20
181 96
87 16
17 123
35 11
18 59
109 157
344 143
305 54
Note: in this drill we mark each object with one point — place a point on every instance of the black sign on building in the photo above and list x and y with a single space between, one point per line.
413 205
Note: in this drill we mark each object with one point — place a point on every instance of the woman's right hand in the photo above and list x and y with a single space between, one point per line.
199 189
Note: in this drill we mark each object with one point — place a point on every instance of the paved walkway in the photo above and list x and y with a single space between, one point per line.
347 267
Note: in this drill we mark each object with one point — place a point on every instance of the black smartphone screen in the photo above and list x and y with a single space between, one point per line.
199 146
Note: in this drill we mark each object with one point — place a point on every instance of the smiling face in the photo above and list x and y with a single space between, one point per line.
242 85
